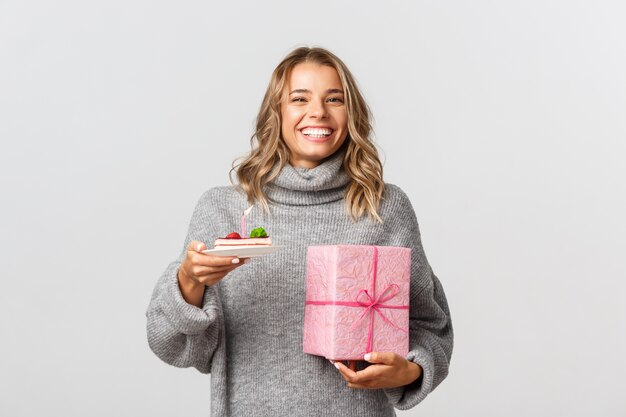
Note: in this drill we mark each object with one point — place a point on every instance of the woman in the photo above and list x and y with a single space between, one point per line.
315 178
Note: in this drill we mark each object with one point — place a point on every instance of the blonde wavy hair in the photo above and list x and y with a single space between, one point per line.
269 153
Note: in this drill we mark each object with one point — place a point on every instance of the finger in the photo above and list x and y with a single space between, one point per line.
352 365
214 278
347 373
201 271
387 358
367 378
224 266
227 270
358 386
200 258
370 374
212 260
195 246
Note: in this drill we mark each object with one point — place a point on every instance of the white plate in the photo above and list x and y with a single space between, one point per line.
244 251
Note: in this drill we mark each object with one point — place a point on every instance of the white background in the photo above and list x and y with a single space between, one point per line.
503 121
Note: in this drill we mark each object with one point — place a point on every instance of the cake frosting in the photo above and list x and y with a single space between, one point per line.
258 237
258 241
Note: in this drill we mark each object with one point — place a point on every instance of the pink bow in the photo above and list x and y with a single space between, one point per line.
372 305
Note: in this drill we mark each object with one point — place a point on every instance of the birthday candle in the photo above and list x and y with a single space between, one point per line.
243 221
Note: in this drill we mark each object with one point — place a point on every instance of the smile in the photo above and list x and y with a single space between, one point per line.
316 133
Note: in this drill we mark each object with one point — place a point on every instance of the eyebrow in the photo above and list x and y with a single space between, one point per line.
329 91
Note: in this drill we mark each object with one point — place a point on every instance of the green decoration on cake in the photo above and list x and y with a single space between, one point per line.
258 232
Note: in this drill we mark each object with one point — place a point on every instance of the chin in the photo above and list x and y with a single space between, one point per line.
318 155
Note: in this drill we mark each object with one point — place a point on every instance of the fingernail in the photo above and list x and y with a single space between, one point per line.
367 356
199 247
336 365
235 261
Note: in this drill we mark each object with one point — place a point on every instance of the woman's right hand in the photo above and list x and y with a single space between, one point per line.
199 270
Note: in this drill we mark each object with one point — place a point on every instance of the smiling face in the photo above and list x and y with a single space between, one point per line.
314 115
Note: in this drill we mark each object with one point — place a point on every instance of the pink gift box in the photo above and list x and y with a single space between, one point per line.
357 301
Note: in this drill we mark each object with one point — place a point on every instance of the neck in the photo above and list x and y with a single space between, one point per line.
301 185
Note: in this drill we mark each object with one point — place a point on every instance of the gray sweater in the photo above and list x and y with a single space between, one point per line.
248 334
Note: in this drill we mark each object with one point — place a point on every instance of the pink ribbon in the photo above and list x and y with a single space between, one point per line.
371 304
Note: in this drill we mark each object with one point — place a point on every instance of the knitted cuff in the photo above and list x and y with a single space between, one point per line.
184 317
409 396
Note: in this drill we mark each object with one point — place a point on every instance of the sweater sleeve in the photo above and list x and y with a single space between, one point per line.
179 333
430 326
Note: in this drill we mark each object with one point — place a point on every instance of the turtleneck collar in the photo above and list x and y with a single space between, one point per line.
299 186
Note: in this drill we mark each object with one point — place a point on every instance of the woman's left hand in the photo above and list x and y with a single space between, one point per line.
390 370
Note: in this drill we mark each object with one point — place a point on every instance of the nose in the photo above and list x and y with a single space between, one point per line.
317 109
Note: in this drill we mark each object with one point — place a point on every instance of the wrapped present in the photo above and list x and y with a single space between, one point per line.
357 301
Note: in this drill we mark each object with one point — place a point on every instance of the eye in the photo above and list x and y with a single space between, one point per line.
335 100
298 100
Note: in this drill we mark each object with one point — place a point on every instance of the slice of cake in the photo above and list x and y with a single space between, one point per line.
258 237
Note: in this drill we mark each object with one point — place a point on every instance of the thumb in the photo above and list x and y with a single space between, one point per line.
196 246
386 358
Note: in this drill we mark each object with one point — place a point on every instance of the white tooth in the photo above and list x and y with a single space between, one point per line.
317 132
